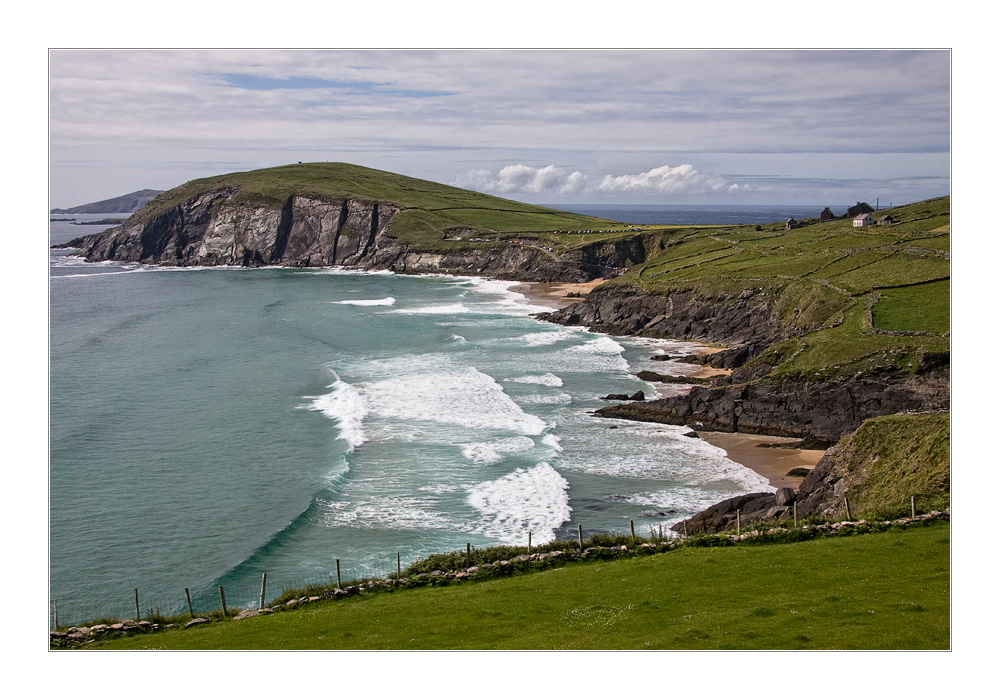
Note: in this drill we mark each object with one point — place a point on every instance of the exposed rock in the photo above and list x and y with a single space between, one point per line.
822 412
615 397
637 396
213 228
195 621
785 496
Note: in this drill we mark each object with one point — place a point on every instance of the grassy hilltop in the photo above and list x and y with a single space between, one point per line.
430 211
851 299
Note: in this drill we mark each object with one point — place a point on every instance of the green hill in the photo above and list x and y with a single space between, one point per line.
430 210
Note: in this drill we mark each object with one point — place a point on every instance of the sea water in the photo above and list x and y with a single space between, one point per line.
211 425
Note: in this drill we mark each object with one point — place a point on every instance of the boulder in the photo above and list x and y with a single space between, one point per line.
785 496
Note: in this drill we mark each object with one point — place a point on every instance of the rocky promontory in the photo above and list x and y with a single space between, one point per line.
752 399
321 215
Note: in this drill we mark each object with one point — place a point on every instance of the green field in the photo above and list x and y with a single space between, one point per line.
876 591
835 287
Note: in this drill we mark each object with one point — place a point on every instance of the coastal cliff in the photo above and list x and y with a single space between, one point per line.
320 215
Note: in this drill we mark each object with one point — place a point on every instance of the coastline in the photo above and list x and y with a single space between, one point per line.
773 463
555 294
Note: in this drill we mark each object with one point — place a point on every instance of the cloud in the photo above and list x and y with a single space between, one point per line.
663 180
524 179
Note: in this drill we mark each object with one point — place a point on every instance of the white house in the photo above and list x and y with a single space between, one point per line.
863 220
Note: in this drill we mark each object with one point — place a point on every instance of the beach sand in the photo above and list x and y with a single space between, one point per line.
553 294
773 463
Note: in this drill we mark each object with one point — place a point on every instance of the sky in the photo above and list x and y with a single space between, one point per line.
651 126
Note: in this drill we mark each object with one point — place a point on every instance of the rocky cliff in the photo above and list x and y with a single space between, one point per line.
820 412
752 400
211 229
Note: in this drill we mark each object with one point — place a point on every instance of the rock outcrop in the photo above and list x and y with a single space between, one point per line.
746 320
213 228
821 412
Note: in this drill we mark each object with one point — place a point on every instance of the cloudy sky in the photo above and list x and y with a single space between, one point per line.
557 126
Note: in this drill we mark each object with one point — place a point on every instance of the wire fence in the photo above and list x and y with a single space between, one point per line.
138 603
230 597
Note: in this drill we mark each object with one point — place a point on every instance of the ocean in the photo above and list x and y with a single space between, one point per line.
211 425
697 214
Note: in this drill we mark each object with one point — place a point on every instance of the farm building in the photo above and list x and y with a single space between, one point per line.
790 224
862 220
826 215
860 208
886 221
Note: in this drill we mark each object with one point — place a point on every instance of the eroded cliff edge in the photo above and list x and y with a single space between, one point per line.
214 228
821 408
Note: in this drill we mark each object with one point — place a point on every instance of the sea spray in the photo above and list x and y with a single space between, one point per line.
344 406
527 500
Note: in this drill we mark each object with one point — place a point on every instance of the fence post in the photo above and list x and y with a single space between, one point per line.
529 543
55 615
738 524
190 607
847 505
468 553
263 586
338 574
913 506
222 596
685 529
631 524
580 535
137 615
399 571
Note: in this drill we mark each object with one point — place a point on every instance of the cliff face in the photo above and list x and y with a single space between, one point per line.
749 401
210 230
746 320
822 412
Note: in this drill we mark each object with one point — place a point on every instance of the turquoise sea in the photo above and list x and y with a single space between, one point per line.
210 425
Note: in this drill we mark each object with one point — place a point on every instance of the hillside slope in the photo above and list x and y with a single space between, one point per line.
828 325
322 214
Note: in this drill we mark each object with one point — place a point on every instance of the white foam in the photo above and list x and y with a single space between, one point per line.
553 441
559 399
527 500
493 452
344 405
461 396
348 271
601 354
547 379
534 340
388 301
443 309
387 513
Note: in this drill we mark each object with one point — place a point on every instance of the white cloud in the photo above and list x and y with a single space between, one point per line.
524 179
663 180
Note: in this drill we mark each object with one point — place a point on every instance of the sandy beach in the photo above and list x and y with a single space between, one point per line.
773 463
554 294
